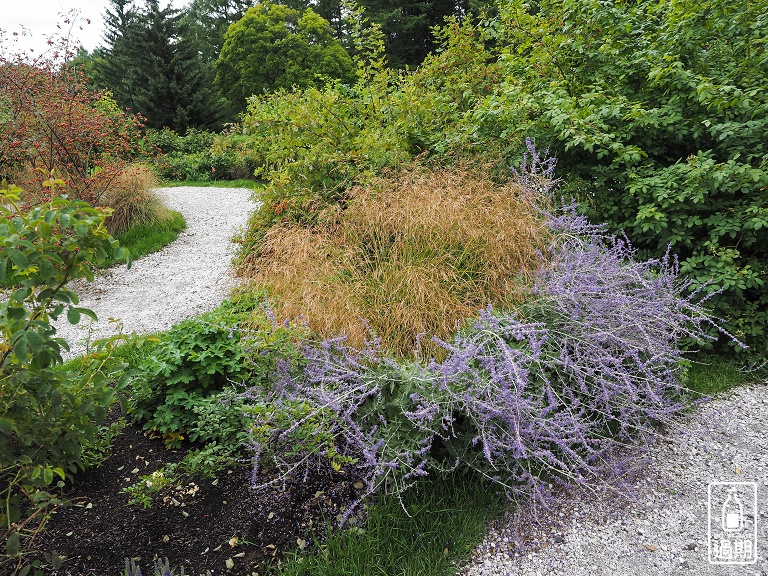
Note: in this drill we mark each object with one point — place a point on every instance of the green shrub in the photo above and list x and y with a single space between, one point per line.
183 387
659 110
194 157
48 414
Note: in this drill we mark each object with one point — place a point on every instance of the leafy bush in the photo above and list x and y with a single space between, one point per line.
182 386
551 392
659 108
274 46
194 157
312 146
50 121
48 415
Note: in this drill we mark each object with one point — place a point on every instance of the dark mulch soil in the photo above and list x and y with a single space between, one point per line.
198 526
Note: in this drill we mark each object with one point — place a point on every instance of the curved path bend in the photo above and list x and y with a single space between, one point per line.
189 276
665 528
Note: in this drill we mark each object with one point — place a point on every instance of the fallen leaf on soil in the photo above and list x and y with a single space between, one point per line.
301 543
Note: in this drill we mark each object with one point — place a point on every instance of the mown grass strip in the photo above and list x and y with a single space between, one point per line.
251 184
144 239
431 532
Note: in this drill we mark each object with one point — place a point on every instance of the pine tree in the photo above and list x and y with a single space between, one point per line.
153 66
407 25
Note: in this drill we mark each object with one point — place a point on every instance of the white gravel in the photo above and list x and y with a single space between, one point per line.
189 276
664 529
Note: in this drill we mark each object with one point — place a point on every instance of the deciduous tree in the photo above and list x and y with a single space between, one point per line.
275 47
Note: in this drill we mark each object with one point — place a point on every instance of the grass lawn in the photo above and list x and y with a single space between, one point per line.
145 239
431 532
252 184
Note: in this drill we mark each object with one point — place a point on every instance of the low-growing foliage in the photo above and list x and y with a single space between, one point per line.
96 451
181 389
432 530
160 567
143 239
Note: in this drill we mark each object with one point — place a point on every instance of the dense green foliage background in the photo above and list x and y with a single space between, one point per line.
656 113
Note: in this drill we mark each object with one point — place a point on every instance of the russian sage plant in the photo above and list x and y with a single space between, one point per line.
551 392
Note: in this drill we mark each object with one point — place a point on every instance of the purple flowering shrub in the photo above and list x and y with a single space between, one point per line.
548 393
589 365
346 409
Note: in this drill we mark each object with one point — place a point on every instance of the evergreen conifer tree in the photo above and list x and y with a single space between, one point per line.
153 66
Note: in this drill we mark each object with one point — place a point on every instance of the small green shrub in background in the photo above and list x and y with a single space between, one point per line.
192 156
48 415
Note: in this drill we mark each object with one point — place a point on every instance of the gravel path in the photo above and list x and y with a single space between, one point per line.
187 277
664 530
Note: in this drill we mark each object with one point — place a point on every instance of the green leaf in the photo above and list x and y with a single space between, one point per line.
34 342
6 426
3 264
18 259
73 315
90 313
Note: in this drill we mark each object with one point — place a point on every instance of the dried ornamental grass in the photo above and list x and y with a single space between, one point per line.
417 252
132 199
562 389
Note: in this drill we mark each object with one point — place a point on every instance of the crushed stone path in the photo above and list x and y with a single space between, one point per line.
189 276
664 529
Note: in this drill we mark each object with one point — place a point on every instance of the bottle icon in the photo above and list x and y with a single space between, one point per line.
733 512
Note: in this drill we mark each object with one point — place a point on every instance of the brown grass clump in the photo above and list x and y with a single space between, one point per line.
131 197
416 253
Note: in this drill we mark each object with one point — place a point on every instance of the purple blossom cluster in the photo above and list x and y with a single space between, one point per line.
346 409
589 366
547 393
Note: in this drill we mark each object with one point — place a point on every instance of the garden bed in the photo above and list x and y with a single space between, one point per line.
199 525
